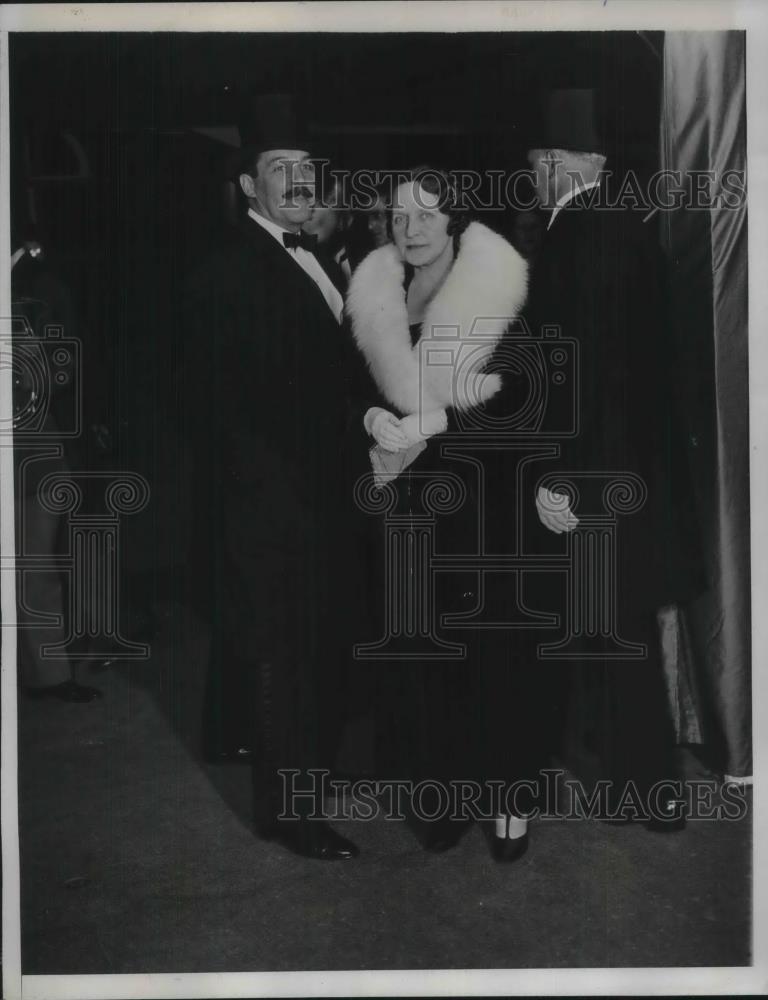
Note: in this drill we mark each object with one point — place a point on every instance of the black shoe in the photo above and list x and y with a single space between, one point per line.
66 691
670 817
311 839
442 835
505 849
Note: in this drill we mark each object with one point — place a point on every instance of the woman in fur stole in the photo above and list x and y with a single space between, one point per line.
429 312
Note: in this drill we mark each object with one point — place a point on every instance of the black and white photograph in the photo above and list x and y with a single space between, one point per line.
382 434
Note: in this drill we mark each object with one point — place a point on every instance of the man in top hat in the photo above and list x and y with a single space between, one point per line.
598 279
268 376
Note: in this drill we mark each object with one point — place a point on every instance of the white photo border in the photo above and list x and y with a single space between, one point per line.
561 15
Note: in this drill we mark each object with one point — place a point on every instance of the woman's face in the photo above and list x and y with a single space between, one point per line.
419 229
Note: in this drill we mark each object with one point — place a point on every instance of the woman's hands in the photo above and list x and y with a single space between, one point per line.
399 435
384 428
419 426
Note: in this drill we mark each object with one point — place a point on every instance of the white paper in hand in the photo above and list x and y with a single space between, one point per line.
387 465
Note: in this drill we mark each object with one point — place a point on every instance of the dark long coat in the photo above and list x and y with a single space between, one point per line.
600 281
266 404
431 706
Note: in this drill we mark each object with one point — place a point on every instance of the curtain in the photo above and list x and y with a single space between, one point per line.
703 128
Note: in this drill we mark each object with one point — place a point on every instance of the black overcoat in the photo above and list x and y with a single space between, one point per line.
599 280
266 401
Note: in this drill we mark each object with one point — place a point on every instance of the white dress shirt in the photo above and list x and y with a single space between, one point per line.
569 196
343 261
307 262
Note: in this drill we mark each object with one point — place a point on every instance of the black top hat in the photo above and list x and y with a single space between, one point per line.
269 121
571 119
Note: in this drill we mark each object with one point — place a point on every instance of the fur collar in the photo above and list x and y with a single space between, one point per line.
481 295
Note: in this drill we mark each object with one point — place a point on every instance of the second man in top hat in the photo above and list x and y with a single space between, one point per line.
598 280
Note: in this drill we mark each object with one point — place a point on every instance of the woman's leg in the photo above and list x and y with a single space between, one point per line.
510 736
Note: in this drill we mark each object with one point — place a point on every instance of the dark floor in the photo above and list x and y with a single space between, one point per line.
135 857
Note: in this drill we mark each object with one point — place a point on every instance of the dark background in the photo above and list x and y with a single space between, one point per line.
121 831
111 172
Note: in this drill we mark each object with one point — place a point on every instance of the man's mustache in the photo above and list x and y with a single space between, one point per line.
300 191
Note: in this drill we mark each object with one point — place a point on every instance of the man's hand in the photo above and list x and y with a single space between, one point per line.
554 511
384 428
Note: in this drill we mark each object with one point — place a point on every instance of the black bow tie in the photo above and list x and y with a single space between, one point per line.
301 239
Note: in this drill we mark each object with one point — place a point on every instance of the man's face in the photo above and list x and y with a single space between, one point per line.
543 166
282 186
377 224
527 233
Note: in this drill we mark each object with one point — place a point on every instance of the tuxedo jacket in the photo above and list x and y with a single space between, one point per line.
266 403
